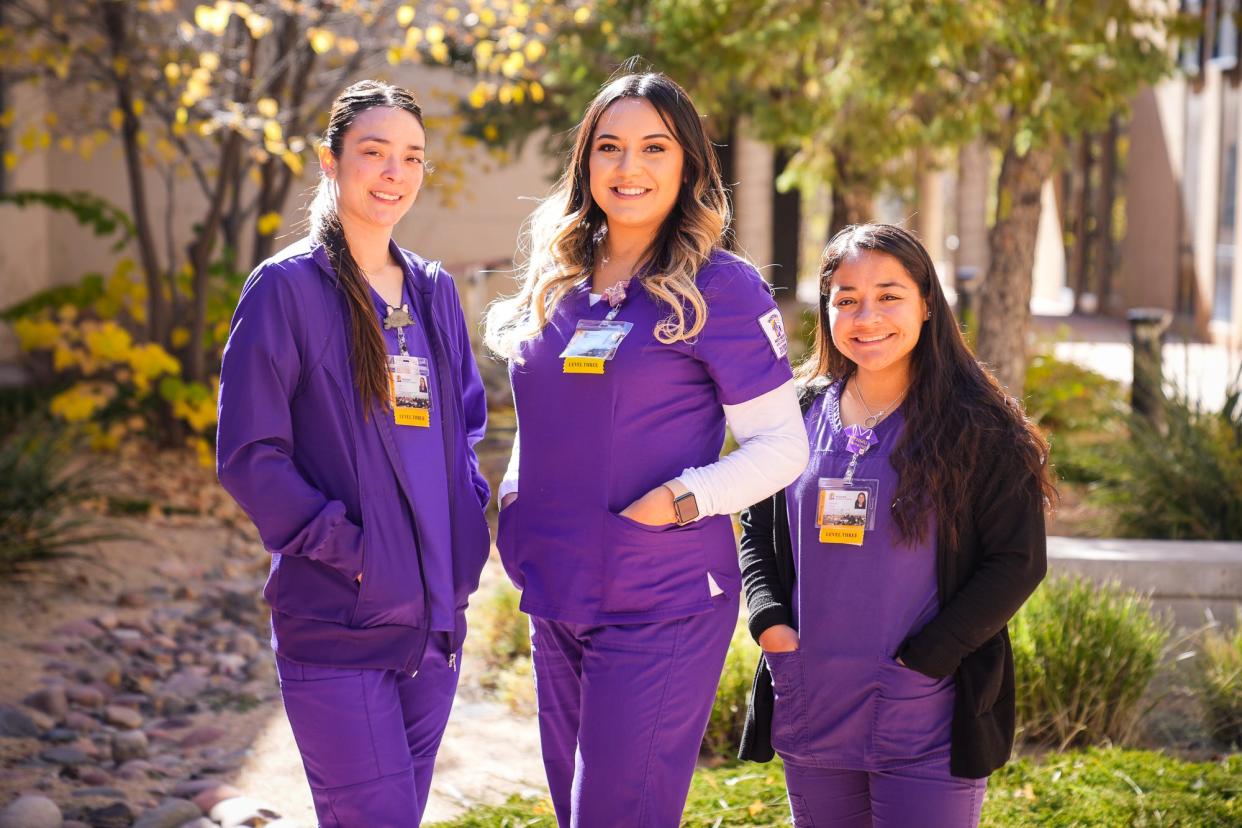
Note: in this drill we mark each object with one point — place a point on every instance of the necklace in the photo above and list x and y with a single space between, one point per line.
874 417
396 317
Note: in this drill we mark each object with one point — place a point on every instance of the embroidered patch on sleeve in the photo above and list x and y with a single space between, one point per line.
774 330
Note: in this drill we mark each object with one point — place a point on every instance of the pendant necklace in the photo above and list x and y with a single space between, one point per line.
860 437
397 317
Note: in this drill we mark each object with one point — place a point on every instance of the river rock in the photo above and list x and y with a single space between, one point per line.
31 811
50 700
81 722
171 813
85 695
129 744
64 755
93 775
211 797
16 723
114 815
127 717
242 811
200 736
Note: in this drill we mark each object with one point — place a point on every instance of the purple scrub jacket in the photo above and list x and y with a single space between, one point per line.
325 487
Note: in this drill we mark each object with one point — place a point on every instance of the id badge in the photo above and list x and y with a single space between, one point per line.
410 384
594 343
846 511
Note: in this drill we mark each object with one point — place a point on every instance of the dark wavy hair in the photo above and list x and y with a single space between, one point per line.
956 413
366 347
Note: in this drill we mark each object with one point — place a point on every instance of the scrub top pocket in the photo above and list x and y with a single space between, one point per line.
651 567
913 712
506 527
789 737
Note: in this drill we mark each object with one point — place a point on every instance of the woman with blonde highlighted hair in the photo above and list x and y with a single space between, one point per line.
633 340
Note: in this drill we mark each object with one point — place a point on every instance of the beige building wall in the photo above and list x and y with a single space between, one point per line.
1149 261
25 234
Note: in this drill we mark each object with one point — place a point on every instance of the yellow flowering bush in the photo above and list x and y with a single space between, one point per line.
114 384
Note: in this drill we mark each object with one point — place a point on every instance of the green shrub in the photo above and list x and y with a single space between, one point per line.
43 482
1219 674
724 727
1179 477
1084 656
1079 411
501 629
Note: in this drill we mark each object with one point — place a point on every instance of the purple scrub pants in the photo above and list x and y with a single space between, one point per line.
622 710
368 738
925 795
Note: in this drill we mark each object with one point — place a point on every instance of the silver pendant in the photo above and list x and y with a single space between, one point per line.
397 318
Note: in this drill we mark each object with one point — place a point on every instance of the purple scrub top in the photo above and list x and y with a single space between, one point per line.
842 699
422 456
592 444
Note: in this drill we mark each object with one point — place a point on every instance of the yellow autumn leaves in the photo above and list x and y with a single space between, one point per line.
112 374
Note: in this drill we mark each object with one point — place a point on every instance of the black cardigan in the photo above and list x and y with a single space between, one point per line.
999 560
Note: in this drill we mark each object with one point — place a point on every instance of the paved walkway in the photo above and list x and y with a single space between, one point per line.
1202 371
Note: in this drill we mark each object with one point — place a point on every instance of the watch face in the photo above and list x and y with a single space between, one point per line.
686 508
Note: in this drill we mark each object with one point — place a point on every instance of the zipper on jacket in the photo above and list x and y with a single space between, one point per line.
452 662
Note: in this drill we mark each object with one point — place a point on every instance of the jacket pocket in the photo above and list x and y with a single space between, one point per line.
392 581
789 737
982 675
652 567
304 588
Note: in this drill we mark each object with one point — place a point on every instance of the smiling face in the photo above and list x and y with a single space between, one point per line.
380 167
635 165
875 312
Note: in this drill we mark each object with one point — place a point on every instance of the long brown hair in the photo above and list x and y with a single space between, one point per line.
367 352
955 411
562 237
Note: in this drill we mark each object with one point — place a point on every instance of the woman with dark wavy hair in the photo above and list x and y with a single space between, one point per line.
632 340
880 582
349 407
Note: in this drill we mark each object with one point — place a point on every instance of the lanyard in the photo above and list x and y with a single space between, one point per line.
858 440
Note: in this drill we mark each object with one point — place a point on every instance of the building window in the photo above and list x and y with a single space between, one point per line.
1227 212
1191 51
1225 34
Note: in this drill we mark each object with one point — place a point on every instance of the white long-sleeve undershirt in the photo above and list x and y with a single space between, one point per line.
772 451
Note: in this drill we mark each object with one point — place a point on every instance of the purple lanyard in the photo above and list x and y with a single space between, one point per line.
858 440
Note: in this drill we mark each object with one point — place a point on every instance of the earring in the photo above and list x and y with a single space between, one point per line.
928 316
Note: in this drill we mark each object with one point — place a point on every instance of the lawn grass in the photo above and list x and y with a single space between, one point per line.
1095 787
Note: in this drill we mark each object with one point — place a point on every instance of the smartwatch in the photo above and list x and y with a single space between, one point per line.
685 507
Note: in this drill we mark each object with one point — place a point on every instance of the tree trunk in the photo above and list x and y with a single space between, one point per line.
852 197
276 178
204 243
1005 301
115 24
1105 248
1076 214
786 232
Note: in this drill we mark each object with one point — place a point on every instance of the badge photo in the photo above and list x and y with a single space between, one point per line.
845 511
